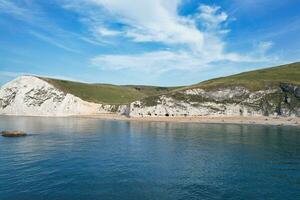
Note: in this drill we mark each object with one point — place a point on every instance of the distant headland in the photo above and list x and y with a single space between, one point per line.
267 93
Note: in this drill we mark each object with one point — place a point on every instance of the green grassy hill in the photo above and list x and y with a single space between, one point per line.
106 93
114 94
258 79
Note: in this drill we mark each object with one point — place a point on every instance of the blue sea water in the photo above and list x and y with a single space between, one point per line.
91 159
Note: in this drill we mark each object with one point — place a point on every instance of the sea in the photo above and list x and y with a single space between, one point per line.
75 158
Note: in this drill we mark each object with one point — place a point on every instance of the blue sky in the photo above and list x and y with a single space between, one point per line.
153 42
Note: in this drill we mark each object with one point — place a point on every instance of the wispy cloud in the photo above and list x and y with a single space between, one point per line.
211 17
160 38
107 32
10 7
193 41
33 15
150 21
158 60
264 46
52 41
162 61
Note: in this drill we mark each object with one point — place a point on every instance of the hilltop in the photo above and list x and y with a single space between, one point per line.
267 92
107 93
258 79
264 92
118 94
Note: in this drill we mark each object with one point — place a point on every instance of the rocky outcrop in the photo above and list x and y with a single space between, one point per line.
234 101
292 89
13 134
28 95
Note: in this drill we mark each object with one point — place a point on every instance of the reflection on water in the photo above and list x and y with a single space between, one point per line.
80 158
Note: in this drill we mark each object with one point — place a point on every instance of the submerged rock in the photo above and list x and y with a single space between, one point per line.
13 134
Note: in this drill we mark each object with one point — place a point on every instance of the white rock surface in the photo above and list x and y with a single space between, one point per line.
32 96
171 107
237 101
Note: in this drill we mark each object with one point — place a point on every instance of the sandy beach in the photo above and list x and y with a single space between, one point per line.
278 121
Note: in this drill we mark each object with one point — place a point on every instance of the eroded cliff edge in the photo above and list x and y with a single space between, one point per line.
32 96
232 101
267 92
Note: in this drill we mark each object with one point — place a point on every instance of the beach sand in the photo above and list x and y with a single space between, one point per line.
278 121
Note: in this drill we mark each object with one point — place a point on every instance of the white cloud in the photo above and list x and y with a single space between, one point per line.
33 14
159 60
159 21
193 41
107 32
264 46
10 7
162 61
146 21
211 17
189 46
52 41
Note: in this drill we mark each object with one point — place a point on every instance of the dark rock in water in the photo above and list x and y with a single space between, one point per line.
13 134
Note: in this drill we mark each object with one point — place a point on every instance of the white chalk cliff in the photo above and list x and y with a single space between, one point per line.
232 101
32 96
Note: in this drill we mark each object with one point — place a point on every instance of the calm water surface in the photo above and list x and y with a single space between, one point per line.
76 158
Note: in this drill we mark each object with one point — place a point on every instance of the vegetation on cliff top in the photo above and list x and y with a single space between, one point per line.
258 79
114 94
106 93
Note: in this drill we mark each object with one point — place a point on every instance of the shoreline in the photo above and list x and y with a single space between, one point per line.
249 120
277 121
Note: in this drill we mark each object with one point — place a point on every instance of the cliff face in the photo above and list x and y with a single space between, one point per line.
32 96
232 101
28 95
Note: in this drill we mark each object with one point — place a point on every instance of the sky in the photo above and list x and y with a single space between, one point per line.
150 42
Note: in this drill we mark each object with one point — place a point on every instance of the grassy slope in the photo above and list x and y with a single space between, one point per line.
258 79
105 93
253 80
113 94
153 90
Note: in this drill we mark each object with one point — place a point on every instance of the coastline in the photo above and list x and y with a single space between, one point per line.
277 121
251 120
